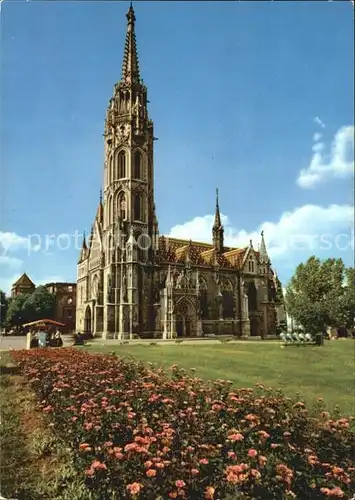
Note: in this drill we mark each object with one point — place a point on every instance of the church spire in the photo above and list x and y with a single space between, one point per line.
130 66
217 230
84 249
84 241
263 255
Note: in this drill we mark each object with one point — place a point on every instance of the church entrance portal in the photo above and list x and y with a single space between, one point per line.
185 319
88 320
183 326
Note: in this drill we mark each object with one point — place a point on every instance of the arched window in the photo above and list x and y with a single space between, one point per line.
122 206
121 163
110 169
228 304
109 210
138 207
140 242
252 298
251 265
137 170
203 304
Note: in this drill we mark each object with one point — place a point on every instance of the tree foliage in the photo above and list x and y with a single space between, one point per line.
321 294
4 304
31 307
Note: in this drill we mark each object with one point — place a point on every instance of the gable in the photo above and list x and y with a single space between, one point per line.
24 280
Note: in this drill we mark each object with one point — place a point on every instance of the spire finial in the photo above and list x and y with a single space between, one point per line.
101 195
262 250
217 229
217 217
130 66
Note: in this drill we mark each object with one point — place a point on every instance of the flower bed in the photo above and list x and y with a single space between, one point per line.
140 432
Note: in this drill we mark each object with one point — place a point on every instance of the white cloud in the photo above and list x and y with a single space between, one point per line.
317 136
307 230
319 122
11 242
338 164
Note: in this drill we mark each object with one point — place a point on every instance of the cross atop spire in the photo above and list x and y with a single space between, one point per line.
130 66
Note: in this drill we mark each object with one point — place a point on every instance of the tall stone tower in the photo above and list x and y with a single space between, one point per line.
130 229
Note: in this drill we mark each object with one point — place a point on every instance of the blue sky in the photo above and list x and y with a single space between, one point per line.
239 93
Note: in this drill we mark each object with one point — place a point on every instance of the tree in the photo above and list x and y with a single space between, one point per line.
17 312
31 307
316 296
347 312
40 304
4 304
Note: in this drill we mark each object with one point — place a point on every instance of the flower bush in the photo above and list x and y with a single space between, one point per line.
143 433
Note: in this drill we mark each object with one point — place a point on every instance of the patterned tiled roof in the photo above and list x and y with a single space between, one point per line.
176 250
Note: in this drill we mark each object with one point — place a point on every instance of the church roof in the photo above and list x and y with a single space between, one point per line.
174 250
23 280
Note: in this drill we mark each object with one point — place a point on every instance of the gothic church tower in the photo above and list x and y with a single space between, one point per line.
115 276
130 226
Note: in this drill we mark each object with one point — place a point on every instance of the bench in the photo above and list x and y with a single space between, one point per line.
298 339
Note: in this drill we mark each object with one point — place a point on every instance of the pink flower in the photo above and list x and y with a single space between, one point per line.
203 461
180 483
151 473
134 488
252 452
194 472
236 437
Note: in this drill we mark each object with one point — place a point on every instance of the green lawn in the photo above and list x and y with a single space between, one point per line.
313 372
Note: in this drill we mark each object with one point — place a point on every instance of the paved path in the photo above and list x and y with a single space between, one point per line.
19 342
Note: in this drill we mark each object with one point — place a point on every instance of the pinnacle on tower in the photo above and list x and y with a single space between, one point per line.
217 217
262 250
217 230
130 66
84 248
84 241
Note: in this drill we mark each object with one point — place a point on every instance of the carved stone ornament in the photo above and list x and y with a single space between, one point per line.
123 132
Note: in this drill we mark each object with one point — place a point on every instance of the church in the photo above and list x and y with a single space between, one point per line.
133 282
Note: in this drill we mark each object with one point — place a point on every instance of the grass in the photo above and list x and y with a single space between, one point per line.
35 465
307 372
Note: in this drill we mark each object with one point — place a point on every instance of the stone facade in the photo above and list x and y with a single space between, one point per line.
65 303
132 280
